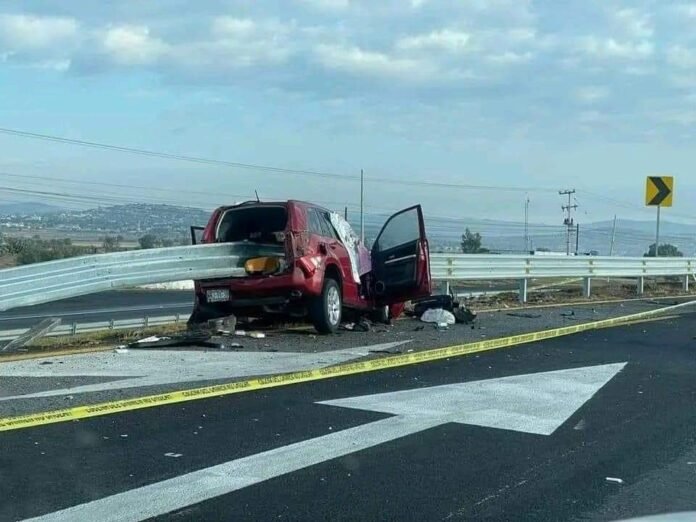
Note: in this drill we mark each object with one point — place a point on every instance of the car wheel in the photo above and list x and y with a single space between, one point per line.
326 309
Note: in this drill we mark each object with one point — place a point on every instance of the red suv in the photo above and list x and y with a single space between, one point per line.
300 259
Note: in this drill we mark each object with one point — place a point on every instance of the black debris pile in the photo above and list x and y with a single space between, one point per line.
447 302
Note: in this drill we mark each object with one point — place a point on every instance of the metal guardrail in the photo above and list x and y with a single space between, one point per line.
54 280
453 267
69 329
475 267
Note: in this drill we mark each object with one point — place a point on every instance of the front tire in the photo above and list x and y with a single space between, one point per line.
326 309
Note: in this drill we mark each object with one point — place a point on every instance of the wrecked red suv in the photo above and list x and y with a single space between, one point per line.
302 260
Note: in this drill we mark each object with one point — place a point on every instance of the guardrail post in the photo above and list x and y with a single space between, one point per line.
447 287
685 282
523 290
640 287
587 286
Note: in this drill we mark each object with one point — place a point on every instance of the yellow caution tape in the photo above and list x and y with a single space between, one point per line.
272 381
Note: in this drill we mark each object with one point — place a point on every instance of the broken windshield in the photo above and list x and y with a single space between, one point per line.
259 224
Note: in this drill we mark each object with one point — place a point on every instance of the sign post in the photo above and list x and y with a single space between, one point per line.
659 191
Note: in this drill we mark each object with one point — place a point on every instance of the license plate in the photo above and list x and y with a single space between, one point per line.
217 295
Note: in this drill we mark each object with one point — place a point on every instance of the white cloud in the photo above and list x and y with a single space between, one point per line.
354 60
634 23
328 5
603 48
509 58
28 33
681 57
444 39
591 94
132 45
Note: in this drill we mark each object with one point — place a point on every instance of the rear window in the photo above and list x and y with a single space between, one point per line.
259 224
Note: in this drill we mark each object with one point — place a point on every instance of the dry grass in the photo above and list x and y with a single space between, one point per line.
7 261
101 339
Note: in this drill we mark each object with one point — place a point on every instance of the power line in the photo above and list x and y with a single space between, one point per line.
252 166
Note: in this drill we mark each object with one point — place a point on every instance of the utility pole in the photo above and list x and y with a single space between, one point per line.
362 208
526 225
613 237
577 238
568 221
345 213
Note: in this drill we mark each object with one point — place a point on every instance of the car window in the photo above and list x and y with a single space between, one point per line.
399 230
314 221
326 225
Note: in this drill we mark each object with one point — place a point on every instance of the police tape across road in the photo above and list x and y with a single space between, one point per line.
272 381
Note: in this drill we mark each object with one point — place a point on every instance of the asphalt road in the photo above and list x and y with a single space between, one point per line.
129 304
491 436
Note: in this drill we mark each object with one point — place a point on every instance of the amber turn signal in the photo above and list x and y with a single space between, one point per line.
262 265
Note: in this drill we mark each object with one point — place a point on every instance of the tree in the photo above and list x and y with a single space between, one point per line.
111 244
471 243
148 241
666 250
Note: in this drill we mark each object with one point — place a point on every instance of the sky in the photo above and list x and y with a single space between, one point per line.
520 97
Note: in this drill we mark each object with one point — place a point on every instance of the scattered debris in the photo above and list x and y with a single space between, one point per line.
257 335
568 314
121 349
241 333
124 436
524 315
189 338
151 339
174 455
419 328
363 325
45 362
464 315
580 425
438 315
348 326
390 352
444 302
615 480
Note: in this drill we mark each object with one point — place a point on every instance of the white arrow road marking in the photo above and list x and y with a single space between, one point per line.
155 367
534 403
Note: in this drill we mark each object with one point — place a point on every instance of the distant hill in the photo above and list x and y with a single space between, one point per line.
30 208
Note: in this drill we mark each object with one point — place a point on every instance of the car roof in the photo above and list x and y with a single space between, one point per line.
295 202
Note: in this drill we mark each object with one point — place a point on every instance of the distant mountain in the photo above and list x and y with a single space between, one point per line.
30 208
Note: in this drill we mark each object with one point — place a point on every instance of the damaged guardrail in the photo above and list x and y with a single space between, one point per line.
74 328
54 280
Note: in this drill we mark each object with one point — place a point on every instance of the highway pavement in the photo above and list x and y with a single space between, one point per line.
594 426
127 304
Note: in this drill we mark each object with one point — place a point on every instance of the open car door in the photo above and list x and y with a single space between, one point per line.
401 259
197 235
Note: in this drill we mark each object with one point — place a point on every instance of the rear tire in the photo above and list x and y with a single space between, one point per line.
325 310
